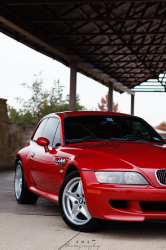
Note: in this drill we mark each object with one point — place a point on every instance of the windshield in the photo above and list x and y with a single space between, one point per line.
104 127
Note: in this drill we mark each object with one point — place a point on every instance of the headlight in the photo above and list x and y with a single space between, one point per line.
121 178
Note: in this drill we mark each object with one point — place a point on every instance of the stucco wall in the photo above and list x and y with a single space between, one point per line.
4 128
13 137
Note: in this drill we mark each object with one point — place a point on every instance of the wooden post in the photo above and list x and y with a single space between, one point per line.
73 82
110 97
132 104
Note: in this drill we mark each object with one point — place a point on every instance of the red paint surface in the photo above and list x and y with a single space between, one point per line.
44 178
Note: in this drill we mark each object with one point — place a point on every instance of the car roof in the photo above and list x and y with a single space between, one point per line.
78 113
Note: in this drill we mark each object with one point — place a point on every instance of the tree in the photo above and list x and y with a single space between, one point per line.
104 104
162 126
38 99
20 116
41 103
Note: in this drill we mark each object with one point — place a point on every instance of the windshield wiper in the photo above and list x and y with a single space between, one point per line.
133 138
117 139
91 137
86 138
128 138
74 140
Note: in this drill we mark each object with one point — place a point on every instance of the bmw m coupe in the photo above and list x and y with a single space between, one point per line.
97 166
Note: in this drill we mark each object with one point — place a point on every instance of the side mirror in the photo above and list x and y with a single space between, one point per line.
44 142
165 140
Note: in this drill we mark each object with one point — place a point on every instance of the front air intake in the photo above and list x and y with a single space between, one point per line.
153 206
161 176
118 204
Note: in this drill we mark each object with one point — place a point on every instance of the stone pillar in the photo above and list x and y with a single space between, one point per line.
73 82
110 97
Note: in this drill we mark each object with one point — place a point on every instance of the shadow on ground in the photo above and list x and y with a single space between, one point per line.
8 202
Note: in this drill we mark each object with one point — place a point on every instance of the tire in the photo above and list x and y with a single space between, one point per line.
22 194
73 206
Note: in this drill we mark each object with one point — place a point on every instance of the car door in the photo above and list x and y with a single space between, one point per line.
58 168
40 160
32 159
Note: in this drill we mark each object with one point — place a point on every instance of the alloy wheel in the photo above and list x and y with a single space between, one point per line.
74 204
18 182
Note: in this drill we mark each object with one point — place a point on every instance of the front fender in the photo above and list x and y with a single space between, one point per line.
23 155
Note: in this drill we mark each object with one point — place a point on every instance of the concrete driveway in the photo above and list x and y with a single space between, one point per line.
40 226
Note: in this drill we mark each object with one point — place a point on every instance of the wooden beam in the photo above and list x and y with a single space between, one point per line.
99 19
38 2
138 67
110 34
131 61
113 45
120 54
130 73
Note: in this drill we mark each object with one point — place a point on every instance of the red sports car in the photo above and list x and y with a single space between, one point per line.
98 166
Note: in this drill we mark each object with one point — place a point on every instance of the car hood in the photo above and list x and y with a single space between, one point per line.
141 157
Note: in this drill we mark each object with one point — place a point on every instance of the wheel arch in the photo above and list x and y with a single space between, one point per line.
70 169
18 158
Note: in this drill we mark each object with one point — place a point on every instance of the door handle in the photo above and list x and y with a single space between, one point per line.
33 154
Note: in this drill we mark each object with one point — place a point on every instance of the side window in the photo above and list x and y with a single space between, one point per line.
57 138
40 129
50 129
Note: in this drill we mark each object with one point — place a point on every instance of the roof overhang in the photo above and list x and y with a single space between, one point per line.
116 41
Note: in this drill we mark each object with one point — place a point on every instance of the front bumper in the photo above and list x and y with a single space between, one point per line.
99 206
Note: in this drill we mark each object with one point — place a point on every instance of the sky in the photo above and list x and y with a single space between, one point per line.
19 63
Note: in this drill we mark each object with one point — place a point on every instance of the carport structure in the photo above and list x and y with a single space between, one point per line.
118 43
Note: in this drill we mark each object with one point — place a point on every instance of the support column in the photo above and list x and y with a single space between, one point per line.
110 97
73 82
132 104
